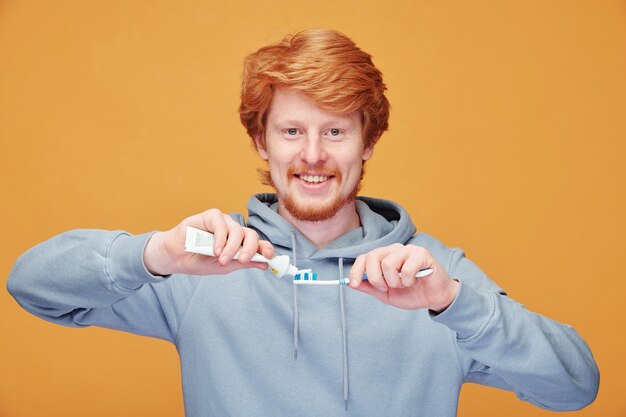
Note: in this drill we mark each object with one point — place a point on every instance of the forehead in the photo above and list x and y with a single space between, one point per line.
290 105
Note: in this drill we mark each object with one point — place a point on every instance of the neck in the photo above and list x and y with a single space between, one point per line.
322 232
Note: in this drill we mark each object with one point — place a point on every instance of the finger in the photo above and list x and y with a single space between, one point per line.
253 264
266 249
374 272
367 288
408 271
249 246
418 259
356 271
390 265
233 242
213 221
235 266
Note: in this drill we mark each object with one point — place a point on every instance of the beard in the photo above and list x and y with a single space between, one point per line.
314 211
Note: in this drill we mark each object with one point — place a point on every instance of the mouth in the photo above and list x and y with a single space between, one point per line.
313 179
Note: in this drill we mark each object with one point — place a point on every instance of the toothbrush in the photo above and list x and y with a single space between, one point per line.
308 277
201 241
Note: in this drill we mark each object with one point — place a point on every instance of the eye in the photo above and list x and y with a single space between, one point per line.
334 132
292 131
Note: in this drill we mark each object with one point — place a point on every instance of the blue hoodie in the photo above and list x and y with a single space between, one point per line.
238 334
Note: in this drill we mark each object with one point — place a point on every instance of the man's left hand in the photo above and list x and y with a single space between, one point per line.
391 278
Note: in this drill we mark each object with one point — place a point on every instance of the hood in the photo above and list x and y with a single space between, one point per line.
382 223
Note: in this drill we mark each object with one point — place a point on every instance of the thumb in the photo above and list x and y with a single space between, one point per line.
368 288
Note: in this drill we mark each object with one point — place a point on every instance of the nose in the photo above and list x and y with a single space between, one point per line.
313 150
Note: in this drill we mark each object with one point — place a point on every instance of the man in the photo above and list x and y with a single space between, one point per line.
314 106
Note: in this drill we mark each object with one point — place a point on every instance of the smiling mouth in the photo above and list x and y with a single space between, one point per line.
313 179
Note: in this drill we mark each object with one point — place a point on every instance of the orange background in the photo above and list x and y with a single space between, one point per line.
507 139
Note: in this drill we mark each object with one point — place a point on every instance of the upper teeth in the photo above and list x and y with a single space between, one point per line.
313 178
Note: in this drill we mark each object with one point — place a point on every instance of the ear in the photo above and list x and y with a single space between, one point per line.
368 152
369 149
258 141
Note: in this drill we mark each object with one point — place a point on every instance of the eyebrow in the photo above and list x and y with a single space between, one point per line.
338 122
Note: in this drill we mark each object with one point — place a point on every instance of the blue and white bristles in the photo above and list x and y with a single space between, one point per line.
305 275
308 277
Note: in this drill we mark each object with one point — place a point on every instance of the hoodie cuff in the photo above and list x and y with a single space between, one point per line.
125 262
468 314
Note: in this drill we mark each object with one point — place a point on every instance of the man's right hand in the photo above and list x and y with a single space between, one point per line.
165 254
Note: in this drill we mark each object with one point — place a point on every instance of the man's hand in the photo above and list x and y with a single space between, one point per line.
384 266
165 251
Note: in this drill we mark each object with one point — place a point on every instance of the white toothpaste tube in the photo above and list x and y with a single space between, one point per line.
201 241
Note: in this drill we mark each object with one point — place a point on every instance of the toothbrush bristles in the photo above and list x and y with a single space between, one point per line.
305 275
311 279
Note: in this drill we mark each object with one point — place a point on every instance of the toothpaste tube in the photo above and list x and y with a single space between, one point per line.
201 241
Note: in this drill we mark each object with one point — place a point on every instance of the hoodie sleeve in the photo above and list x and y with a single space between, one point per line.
506 346
94 277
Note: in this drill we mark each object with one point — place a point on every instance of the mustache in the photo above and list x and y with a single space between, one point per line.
317 170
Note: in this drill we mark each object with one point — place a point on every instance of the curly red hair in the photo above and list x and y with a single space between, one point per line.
327 67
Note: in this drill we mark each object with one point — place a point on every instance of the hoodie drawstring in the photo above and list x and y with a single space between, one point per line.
344 336
296 317
344 327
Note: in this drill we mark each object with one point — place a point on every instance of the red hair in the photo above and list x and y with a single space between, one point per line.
327 67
